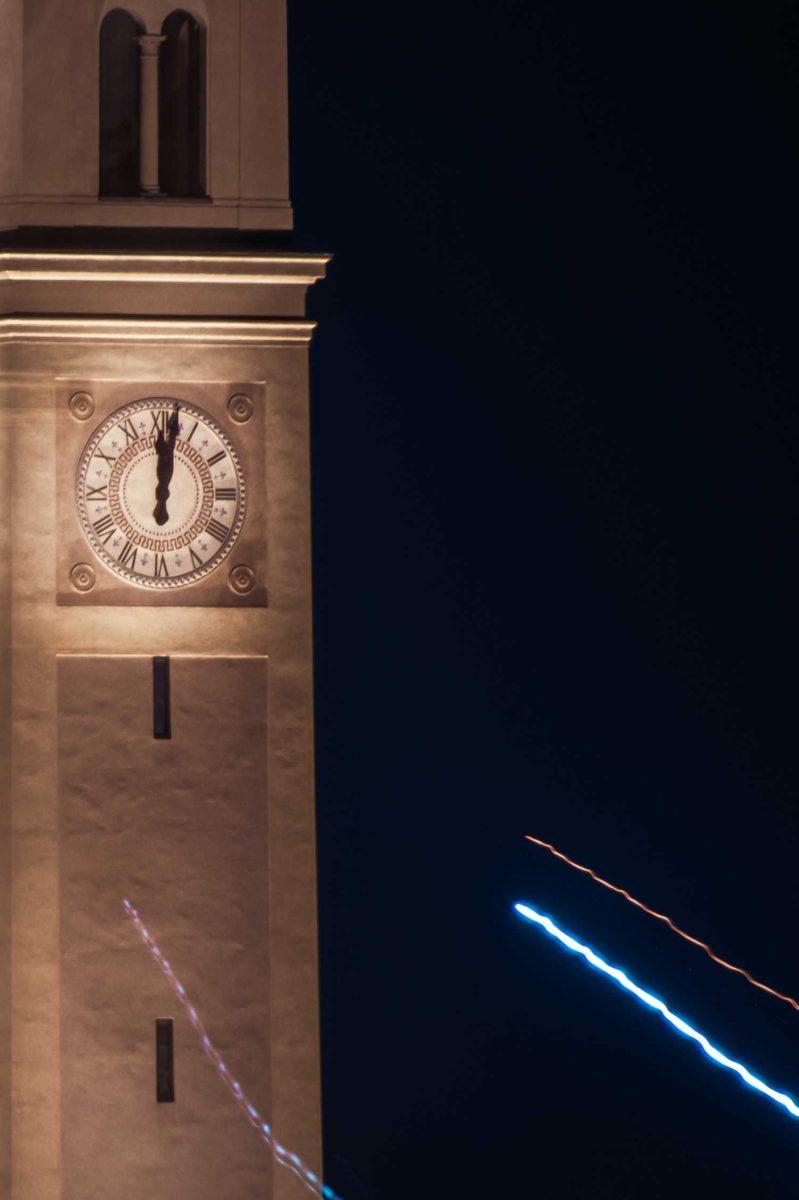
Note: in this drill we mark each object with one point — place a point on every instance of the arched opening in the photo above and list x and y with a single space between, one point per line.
119 104
181 143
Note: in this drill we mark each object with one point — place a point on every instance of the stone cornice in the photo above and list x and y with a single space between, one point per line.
226 268
157 284
124 331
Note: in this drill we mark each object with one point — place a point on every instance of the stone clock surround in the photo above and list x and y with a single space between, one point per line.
249 550
269 344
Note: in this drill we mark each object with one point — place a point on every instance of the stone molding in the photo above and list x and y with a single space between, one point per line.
243 287
137 212
169 331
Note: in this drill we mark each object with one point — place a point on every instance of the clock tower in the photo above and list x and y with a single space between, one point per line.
158 954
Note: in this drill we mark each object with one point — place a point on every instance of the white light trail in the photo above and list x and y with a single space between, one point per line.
718 1056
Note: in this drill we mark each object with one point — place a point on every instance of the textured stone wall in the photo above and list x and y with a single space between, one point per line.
59 887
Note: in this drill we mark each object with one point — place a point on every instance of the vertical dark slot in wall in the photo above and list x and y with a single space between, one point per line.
162 704
164 1061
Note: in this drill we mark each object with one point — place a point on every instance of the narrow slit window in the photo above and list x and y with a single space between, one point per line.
164 1061
162 704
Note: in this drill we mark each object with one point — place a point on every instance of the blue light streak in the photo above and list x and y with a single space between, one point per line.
283 1156
718 1056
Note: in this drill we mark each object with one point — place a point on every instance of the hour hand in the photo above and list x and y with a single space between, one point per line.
164 466
161 491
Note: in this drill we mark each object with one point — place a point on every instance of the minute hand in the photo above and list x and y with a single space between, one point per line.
165 466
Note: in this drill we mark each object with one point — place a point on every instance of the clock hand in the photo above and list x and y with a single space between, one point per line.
165 465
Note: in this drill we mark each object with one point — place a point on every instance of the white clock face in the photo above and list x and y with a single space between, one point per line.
160 493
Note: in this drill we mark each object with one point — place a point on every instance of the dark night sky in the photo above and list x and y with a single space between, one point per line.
555 439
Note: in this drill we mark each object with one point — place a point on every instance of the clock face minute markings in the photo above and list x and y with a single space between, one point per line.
172 454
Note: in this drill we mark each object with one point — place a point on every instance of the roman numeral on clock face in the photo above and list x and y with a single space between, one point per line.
105 457
196 561
127 556
160 568
100 493
215 458
225 493
129 430
217 530
104 525
159 420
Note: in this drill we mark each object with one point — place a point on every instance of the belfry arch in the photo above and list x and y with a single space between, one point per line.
119 104
182 106
153 109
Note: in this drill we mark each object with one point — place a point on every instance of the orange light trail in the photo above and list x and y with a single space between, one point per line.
687 937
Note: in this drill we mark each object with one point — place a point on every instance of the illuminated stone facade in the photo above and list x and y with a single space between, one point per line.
209 831
50 115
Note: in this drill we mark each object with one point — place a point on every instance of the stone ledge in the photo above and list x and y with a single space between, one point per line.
114 330
166 284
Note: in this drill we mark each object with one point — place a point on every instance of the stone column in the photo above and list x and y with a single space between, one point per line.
149 45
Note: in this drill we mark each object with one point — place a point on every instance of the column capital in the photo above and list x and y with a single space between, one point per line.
149 43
